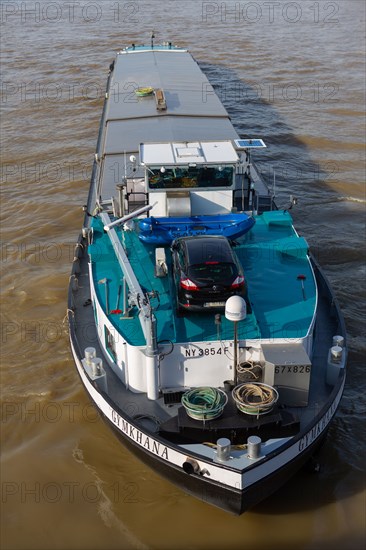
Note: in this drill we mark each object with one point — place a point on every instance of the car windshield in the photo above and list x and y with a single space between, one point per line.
212 272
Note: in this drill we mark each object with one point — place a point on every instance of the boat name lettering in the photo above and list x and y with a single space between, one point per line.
141 439
200 352
314 433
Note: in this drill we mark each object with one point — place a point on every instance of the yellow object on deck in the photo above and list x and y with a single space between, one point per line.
148 90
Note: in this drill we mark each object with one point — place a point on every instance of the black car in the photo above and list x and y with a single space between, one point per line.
206 273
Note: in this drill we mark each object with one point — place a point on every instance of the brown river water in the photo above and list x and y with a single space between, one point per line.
291 73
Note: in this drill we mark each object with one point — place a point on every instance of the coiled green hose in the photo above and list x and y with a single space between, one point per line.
204 403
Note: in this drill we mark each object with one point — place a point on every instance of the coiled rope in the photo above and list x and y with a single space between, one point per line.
255 398
204 403
248 367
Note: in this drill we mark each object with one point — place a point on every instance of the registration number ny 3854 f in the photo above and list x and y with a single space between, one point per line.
195 351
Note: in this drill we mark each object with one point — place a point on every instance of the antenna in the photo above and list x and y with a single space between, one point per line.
125 170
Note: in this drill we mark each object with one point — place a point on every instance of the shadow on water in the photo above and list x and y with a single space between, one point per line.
309 490
297 173
287 156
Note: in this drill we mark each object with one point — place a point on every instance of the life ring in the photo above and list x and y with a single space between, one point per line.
148 90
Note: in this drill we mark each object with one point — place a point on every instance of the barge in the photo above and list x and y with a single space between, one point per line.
230 398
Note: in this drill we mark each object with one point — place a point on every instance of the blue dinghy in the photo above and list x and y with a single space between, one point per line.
163 231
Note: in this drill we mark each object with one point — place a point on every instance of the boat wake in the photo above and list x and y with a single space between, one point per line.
351 199
105 505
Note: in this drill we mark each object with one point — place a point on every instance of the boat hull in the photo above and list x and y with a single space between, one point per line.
118 374
276 469
229 499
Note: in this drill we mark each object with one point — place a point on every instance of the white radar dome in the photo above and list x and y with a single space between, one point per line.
235 308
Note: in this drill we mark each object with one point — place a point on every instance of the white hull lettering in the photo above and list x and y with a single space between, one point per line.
124 425
139 437
316 431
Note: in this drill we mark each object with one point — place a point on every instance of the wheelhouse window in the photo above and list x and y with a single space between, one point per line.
183 177
110 343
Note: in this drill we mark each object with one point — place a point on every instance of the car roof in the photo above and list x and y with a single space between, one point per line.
201 249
